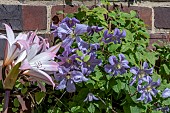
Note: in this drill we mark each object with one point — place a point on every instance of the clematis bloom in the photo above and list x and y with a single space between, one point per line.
117 67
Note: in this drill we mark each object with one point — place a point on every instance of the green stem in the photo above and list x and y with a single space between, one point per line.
6 100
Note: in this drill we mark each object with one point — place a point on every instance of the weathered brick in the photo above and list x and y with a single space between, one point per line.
144 13
2 47
162 15
23 17
11 15
34 17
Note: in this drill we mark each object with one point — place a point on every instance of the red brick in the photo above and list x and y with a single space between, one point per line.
34 17
157 37
65 8
160 36
144 13
162 15
150 47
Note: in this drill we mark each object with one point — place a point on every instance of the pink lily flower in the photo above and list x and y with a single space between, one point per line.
14 46
36 65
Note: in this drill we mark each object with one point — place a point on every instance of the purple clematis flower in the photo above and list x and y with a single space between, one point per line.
163 109
90 97
148 90
140 74
166 93
68 60
70 21
68 35
67 79
117 67
113 37
88 66
93 29
85 47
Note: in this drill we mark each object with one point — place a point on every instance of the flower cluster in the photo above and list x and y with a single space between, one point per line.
142 77
77 63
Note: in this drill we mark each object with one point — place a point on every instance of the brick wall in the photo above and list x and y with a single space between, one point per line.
25 15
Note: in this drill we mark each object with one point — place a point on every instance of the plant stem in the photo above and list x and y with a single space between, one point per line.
6 100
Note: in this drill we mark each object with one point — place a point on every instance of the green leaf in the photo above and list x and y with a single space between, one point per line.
86 58
97 76
39 96
112 48
11 78
167 70
16 102
14 110
125 47
91 108
134 109
133 13
79 53
139 56
74 109
166 102
156 111
129 36
144 33
24 90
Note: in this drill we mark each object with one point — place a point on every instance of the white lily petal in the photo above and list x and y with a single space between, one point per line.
10 34
32 52
21 57
13 52
45 65
55 48
40 76
45 56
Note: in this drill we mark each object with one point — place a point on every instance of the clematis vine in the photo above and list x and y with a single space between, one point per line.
148 89
117 67
67 78
107 38
140 74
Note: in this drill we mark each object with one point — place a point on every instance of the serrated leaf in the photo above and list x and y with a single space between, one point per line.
39 96
11 78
